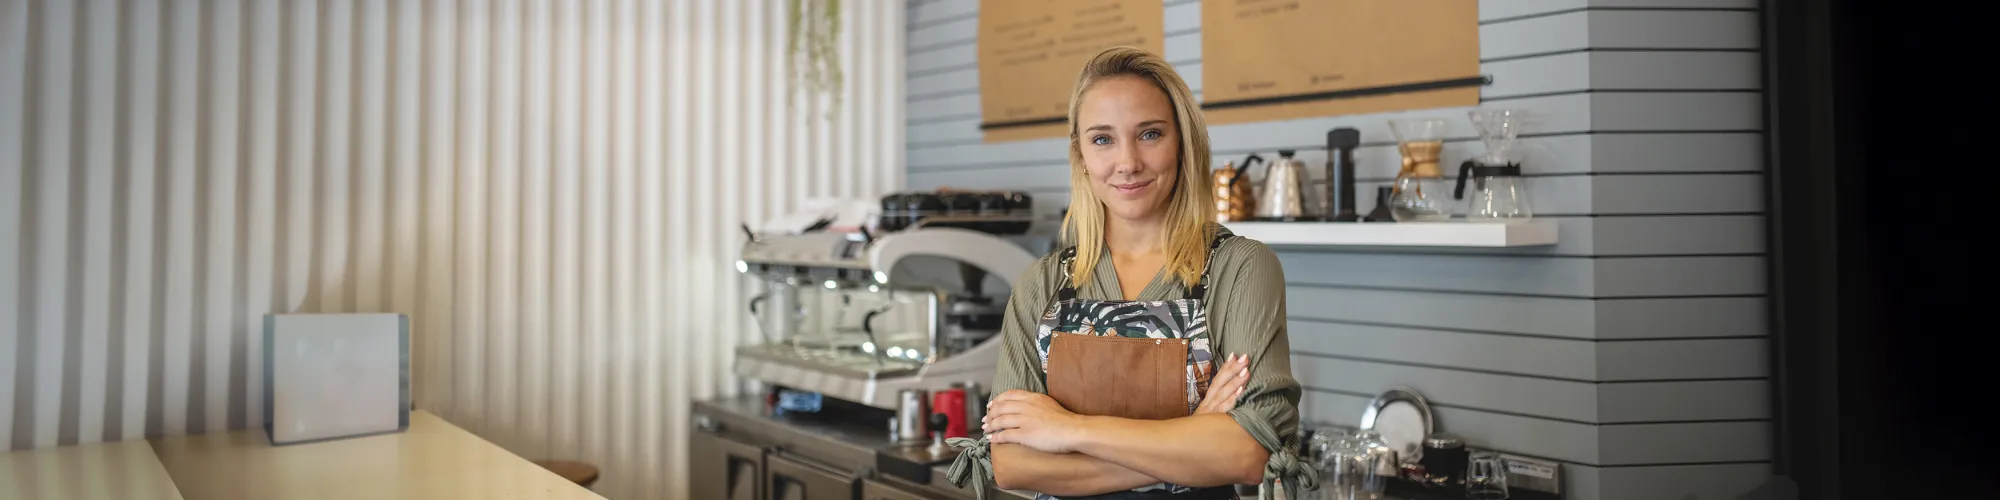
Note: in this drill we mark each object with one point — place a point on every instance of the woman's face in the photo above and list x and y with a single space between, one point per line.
1131 146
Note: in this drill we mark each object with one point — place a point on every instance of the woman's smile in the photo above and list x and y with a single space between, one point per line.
1132 189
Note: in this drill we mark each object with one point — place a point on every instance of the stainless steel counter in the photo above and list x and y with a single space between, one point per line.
844 446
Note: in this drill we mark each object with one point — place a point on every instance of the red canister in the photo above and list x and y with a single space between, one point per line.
951 402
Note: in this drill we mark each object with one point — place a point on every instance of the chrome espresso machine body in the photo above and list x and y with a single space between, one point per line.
909 309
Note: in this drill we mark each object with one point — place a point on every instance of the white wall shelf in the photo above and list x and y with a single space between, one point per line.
1400 234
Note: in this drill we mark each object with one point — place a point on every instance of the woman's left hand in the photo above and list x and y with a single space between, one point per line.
1033 420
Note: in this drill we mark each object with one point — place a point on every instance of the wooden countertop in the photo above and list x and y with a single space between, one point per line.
431 460
103 471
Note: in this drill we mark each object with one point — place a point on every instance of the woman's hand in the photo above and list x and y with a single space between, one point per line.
1231 376
1033 420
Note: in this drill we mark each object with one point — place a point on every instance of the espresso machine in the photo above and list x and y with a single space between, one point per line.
862 317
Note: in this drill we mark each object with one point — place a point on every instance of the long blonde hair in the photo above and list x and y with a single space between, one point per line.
1187 221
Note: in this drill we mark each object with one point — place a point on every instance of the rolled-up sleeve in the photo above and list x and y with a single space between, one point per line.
1247 316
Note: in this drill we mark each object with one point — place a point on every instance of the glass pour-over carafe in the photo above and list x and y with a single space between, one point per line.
1498 190
1421 187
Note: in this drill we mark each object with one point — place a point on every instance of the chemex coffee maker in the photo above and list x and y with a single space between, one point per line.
1422 193
1499 193
862 316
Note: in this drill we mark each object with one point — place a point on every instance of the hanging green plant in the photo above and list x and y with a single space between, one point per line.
813 54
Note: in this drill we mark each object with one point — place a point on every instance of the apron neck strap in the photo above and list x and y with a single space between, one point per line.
1065 290
1200 288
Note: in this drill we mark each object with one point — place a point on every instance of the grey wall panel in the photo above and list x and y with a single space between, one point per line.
1673 4
1677 152
1670 482
1655 194
1491 11
1538 397
1674 235
1685 443
1681 318
1679 29
1599 29
1513 314
1183 35
1683 276
962 31
1673 318
1676 111
1676 401
1573 359
934 133
937 58
1537 75
929 13
1632 400
926 87
1683 359
954 106
1181 16
1534 36
1009 177
1571 400
1495 11
1555 276
1675 70
1695 360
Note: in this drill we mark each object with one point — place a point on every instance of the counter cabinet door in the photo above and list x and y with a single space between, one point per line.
788 478
877 490
724 468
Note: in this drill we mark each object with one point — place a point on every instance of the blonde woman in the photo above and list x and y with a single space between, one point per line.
1148 357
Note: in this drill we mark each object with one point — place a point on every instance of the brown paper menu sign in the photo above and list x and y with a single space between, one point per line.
1031 50
1284 59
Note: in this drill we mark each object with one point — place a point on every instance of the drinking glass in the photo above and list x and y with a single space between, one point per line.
1375 464
1331 450
1486 476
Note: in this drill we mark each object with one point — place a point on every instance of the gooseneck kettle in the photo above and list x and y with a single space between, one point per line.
1283 198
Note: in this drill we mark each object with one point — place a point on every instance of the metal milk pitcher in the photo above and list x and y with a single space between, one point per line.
1284 193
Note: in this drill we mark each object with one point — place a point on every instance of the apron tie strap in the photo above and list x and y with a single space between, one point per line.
974 462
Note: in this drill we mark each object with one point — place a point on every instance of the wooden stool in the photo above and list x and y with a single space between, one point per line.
576 472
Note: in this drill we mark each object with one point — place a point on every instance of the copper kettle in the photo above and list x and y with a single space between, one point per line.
1234 198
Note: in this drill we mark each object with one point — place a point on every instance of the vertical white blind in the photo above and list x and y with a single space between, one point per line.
550 188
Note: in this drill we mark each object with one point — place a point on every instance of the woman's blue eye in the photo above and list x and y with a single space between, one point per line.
1150 135
1100 140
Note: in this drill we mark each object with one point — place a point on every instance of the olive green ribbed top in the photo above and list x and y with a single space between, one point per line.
1246 315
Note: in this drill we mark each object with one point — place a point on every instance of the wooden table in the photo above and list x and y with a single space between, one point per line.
103 471
431 460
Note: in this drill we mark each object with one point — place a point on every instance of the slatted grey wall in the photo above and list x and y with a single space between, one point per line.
1634 351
